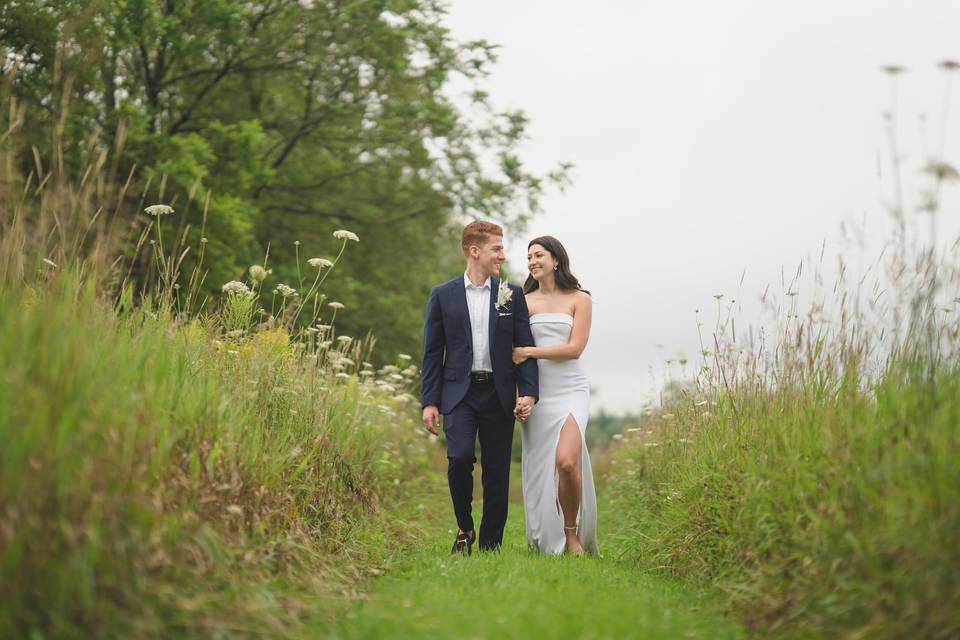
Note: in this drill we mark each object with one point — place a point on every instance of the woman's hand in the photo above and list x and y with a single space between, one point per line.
520 355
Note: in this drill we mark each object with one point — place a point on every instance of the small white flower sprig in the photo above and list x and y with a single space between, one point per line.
158 211
323 266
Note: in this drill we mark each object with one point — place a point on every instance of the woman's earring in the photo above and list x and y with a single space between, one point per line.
556 267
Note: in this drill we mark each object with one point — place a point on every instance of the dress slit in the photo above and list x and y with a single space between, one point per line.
556 472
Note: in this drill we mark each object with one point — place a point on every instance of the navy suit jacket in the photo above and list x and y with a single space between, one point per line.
448 347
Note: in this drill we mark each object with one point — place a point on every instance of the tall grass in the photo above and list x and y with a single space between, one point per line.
172 466
812 472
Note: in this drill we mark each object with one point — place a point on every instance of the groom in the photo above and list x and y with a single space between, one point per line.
471 326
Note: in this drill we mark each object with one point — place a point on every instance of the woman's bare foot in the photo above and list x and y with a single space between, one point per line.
573 541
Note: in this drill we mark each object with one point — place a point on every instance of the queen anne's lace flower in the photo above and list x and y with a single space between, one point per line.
336 305
158 210
235 287
343 234
286 291
320 263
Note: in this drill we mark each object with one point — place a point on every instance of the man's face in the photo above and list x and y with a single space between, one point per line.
490 256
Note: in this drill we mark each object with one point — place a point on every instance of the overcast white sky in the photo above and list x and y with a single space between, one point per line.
710 138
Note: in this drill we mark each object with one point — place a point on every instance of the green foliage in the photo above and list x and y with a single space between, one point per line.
155 484
293 118
827 508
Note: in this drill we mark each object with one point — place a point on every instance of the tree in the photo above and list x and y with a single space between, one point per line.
294 118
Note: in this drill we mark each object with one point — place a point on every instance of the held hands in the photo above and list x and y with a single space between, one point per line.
431 418
524 406
520 355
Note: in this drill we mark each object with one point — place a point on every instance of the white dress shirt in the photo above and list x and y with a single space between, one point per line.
478 304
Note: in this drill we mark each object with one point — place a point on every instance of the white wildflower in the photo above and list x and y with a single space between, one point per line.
286 291
324 345
344 376
343 234
158 210
236 287
405 357
344 339
347 362
366 373
320 263
324 327
236 333
336 305
236 510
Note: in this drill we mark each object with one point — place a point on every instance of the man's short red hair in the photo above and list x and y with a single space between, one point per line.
478 233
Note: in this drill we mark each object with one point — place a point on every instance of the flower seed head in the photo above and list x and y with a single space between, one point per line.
286 291
234 287
158 210
258 273
320 263
343 234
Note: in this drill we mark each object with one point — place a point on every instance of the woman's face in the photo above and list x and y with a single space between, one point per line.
540 262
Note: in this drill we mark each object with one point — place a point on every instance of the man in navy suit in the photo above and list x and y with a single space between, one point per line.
471 326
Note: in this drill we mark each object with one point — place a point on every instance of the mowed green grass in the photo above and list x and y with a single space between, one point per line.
519 594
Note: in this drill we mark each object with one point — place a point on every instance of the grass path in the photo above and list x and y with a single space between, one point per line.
517 594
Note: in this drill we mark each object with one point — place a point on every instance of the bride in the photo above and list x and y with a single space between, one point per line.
559 500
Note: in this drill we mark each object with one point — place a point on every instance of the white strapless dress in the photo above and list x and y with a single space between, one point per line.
564 392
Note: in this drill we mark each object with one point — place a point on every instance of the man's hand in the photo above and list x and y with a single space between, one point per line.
431 418
524 406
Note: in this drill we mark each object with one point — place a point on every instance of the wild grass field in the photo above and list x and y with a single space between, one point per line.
181 464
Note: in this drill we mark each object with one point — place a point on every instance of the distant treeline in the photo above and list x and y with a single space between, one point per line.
267 123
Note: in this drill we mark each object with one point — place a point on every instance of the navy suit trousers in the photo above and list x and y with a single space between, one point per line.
480 412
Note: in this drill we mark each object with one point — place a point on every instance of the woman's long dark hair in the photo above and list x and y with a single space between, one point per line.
565 279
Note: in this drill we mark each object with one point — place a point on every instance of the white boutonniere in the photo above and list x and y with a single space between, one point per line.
504 295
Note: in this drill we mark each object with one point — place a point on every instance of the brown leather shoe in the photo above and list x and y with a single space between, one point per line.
463 543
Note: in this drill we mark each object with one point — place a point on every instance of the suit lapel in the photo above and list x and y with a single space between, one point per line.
461 297
494 285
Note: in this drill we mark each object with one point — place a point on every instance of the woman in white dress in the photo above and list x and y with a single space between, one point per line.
559 500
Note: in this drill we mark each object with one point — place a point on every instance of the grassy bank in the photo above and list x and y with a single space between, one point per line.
822 499
160 479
